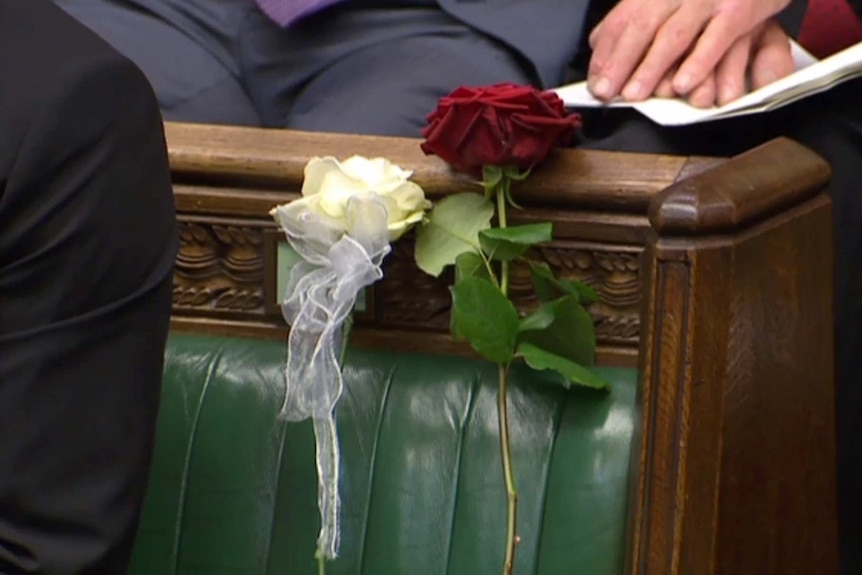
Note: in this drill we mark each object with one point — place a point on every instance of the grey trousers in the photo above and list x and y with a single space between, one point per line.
362 68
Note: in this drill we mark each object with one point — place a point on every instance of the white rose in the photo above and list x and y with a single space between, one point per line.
329 184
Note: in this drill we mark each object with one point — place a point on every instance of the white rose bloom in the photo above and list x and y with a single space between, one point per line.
329 184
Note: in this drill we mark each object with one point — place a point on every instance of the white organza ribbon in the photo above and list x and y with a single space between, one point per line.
339 259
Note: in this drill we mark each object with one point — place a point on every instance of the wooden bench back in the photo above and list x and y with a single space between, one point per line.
715 280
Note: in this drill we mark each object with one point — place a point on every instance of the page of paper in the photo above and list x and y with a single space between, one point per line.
811 76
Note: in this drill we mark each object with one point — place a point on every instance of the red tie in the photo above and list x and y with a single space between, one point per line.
829 27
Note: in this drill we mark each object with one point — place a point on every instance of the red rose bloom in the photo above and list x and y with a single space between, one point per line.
500 125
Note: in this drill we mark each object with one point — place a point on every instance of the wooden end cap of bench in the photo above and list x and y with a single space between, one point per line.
742 190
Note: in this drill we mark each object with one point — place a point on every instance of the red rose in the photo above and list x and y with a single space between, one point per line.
500 125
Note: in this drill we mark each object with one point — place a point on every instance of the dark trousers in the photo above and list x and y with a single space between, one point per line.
377 70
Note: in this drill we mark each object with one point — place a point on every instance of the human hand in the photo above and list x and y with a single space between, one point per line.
639 41
755 60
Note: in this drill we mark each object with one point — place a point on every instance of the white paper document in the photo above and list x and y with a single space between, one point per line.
811 76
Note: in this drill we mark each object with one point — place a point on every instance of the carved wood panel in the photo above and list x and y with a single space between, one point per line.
226 268
409 299
219 268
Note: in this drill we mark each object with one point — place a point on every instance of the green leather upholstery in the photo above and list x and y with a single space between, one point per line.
233 489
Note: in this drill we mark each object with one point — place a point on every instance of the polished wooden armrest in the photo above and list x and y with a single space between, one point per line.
275 159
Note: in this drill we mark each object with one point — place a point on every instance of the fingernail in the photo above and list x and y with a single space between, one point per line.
633 90
683 84
602 87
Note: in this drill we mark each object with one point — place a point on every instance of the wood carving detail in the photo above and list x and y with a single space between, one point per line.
409 299
613 273
220 267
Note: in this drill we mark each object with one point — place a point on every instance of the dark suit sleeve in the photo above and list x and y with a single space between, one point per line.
791 17
87 241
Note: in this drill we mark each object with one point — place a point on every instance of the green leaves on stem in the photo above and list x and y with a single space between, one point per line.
486 318
540 359
452 229
559 335
568 334
548 287
506 244
471 264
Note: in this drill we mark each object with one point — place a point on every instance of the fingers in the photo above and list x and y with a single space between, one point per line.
772 57
721 33
732 20
764 54
665 87
636 48
639 41
730 75
671 42
594 36
620 42
703 96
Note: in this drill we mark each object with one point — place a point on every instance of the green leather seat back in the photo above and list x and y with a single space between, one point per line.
233 488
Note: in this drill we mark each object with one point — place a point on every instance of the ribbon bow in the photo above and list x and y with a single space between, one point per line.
336 264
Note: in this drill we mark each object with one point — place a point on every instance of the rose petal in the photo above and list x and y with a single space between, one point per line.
501 125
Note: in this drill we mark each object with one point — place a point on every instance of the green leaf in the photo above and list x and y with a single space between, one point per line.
469 265
541 318
544 282
571 335
548 287
484 316
585 293
530 234
456 332
506 244
452 229
572 373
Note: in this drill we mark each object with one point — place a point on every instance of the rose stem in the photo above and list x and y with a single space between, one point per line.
503 410
345 338
321 562
511 493
502 192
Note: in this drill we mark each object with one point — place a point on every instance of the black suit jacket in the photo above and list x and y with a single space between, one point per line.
87 240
